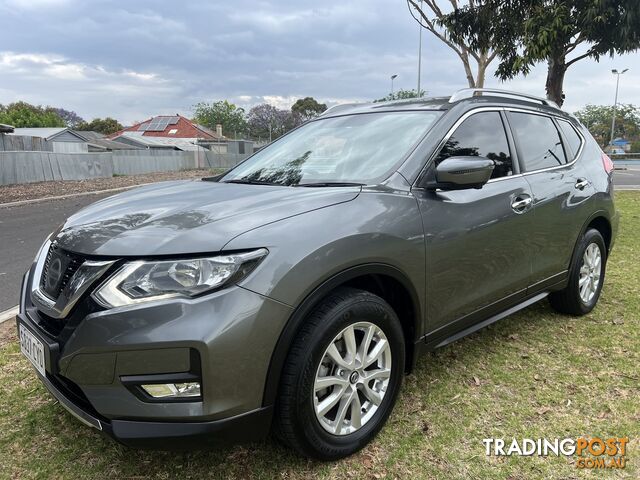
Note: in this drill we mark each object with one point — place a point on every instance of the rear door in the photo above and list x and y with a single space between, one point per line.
476 239
560 195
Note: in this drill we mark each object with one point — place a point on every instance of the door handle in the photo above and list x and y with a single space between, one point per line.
521 204
582 183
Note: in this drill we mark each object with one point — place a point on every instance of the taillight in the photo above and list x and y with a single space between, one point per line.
607 163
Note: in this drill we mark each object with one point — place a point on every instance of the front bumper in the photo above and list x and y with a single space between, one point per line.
230 334
250 426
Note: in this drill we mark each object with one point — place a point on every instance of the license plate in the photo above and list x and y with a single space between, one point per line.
33 349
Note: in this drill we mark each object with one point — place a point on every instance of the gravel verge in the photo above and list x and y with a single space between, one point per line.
33 191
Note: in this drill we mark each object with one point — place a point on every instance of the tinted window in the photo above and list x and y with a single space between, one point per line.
482 134
539 141
571 135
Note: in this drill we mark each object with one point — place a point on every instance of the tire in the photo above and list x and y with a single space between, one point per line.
574 299
320 436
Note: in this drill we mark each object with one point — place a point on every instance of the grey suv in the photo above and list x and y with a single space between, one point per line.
293 293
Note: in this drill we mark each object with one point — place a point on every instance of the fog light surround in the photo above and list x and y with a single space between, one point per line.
172 390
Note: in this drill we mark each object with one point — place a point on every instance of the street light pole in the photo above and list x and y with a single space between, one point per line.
615 103
419 53
392 78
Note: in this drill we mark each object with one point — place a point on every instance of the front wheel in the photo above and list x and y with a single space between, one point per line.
586 276
342 376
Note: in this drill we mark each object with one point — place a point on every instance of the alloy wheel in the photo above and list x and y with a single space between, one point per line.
352 378
590 272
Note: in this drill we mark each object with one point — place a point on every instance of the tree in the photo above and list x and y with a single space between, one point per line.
224 113
526 32
25 115
597 118
307 108
476 47
106 126
267 121
401 95
70 119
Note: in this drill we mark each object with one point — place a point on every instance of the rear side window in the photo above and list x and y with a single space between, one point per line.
573 139
539 141
481 135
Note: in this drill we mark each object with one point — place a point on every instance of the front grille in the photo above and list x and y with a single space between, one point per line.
53 326
66 266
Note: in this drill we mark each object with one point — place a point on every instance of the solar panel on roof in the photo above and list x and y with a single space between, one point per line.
143 127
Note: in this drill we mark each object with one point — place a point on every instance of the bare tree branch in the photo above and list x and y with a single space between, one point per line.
482 58
579 57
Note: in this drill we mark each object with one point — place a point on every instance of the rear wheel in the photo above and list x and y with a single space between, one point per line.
586 277
342 376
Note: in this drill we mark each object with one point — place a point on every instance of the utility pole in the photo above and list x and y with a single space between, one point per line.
419 53
615 103
393 77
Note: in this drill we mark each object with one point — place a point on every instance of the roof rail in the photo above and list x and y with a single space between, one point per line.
338 107
476 92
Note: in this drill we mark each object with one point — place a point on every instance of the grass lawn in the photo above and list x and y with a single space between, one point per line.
535 374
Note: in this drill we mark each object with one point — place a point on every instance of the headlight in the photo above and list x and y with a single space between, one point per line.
143 281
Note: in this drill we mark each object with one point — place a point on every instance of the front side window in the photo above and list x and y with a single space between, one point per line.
361 148
481 135
539 141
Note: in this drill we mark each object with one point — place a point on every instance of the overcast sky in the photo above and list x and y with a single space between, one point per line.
134 59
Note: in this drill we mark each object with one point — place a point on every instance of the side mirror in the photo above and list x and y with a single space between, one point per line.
457 173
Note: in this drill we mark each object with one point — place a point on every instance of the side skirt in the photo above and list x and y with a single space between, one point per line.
432 344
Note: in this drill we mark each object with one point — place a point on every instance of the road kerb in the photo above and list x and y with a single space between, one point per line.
70 195
8 314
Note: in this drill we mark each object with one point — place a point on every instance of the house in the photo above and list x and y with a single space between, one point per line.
97 142
58 139
625 145
173 132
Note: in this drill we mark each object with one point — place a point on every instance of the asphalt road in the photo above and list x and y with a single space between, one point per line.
628 178
23 229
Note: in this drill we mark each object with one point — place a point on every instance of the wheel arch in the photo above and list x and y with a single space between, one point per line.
600 221
383 280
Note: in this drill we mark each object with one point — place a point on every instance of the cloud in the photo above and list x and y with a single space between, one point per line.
131 60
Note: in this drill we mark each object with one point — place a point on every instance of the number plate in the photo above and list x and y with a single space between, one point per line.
33 349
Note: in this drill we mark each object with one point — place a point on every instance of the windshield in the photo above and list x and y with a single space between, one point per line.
360 149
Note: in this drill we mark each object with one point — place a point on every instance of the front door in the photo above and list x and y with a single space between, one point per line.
477 244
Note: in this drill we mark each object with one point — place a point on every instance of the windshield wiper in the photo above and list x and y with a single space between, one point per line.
330 184
252 182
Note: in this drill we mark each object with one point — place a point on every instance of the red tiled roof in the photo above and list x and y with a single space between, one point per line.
185 129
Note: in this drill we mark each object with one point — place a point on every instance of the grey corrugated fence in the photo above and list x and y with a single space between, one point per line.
28 167
21 143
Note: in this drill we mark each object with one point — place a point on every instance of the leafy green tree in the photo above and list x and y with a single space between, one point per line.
106 126
25 115
307 108
597 118
402 95
526 32
231 117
